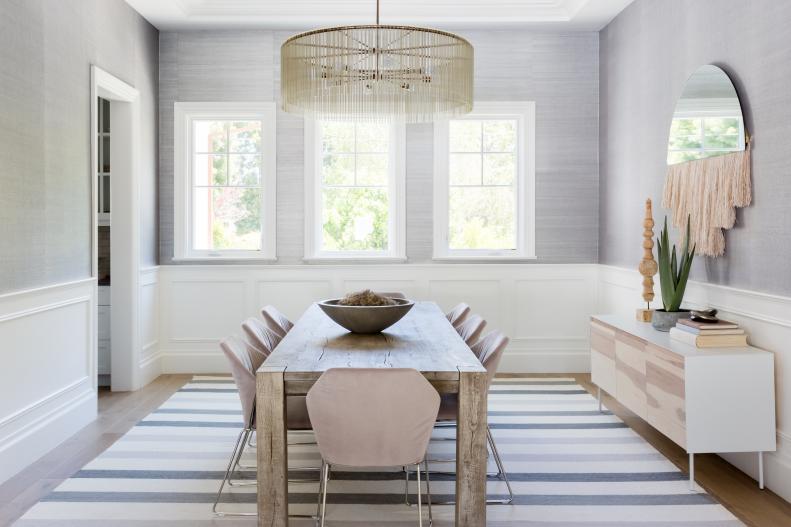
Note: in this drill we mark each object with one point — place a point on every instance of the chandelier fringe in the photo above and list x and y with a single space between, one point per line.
377 73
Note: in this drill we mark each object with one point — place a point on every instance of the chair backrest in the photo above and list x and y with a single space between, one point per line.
243 367
260 335
372 417
276 320
470 330
458 314
489 351
394 294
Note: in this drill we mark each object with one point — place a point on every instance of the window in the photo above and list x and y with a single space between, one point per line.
484 169
354 190
225 180
695 137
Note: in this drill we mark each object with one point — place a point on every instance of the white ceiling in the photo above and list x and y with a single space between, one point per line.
560 15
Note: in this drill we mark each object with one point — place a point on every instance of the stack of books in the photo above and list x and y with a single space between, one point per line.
722 334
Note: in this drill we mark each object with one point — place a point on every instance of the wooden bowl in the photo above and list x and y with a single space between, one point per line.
366 319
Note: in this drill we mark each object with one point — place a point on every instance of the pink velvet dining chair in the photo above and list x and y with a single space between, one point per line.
261 336
244 360
458 314
470 330
372 417
490 351
277 321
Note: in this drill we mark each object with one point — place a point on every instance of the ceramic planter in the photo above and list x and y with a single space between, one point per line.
664 320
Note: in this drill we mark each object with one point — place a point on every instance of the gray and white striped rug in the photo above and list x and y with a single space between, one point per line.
569 466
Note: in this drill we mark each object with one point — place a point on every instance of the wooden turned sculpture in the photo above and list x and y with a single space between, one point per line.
647 265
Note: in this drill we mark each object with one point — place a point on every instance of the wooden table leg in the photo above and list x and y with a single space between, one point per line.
272 455
471 450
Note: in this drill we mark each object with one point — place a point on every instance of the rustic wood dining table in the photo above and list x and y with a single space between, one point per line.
423 340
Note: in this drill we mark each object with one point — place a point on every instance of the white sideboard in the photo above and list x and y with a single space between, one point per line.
705 400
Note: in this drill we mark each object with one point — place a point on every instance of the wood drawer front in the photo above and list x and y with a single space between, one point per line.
603 357
665 393
630 373
603 372
603 340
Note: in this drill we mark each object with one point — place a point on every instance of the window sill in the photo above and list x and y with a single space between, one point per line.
353 259
484 259
205 259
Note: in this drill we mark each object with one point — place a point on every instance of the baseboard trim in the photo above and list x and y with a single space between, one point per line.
25 445
150 365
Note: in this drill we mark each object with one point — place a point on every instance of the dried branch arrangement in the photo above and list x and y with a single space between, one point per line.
366 298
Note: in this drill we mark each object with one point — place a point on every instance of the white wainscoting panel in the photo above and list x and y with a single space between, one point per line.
767 319
292 295
47 339
202 304
150 360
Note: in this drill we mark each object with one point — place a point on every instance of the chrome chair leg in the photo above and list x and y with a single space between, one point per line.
500 469
237 464
501 474
419 497
428 494
237 451
406 486
325 478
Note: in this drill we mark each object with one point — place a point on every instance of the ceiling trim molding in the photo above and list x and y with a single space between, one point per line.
561 15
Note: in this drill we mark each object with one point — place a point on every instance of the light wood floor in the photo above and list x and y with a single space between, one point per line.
118 412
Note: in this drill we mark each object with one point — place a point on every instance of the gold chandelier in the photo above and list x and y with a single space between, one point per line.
377 73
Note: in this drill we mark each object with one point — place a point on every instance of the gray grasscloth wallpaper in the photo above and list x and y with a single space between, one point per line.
558 71
46 49
645 56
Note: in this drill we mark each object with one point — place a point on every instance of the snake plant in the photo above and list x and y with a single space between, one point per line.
673 274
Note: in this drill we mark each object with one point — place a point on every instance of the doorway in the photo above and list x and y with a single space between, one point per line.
104 232
115 136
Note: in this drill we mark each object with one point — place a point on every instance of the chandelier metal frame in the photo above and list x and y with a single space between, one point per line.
377 73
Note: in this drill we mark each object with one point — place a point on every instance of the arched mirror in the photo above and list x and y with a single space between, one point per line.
708 118
708 157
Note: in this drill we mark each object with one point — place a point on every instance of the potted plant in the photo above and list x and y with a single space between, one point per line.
673 275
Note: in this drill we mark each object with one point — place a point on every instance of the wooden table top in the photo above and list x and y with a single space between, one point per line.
423 340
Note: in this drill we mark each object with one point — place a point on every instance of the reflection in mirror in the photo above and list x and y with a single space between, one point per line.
708 119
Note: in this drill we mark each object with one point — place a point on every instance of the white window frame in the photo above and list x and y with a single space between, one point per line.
184 115
396 193
524 112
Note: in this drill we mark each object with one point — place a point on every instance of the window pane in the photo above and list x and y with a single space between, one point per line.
105 115
465 136
105 154
465 169
354 219
684 142
338 169
245 136
722 132
482 218
245 169
721 126
106 195
372 137
211 136
499 169
680 157
372 169
337 137
499 136
209 170
226 218
682 126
